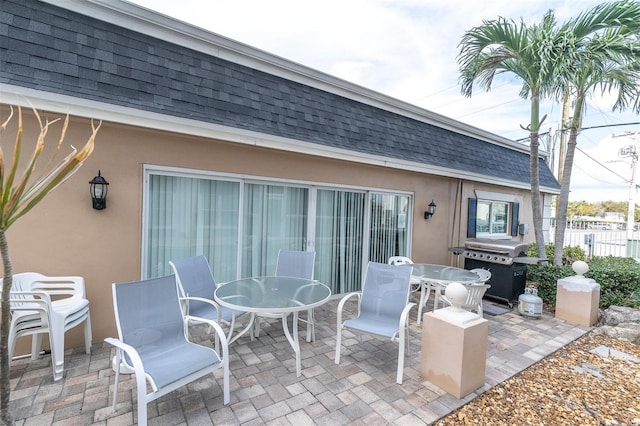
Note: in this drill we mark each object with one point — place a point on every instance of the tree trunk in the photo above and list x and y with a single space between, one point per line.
536 198
563 200
7 281
565 185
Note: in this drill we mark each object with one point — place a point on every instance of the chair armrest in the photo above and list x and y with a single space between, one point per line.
204 300
41 298
344 300
68 285
404 317
129 350
218 330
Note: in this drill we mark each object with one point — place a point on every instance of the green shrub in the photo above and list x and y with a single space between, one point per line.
619 279
569 254
546 277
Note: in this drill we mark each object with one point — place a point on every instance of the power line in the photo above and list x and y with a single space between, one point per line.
587 128
602 165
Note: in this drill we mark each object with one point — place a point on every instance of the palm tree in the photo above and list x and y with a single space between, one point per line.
606 59
548 60
19 193
531 53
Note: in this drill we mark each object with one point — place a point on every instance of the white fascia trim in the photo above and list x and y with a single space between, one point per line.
63 104
166 28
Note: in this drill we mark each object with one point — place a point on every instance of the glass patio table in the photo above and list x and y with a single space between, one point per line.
437 277
281 296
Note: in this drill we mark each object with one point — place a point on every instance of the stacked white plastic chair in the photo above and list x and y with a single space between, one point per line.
42 304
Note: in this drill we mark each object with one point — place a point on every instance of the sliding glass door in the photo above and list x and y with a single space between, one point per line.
240 225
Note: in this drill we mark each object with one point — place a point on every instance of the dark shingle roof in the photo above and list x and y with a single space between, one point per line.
56 50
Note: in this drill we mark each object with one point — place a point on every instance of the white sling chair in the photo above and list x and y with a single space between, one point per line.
153 342
196 286
383 308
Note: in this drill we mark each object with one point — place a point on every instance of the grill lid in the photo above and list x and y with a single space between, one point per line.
505 247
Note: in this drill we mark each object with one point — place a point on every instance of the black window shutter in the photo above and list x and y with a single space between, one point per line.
514 219
471 217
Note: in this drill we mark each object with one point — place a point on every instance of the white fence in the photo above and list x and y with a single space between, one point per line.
598 241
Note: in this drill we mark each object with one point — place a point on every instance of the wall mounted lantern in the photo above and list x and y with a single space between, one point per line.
98 187
431 209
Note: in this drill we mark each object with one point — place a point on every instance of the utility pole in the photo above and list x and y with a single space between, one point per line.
630 151
564 124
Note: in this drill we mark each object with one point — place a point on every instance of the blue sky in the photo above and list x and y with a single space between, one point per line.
407 49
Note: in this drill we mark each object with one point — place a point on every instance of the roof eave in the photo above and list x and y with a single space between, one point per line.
31 98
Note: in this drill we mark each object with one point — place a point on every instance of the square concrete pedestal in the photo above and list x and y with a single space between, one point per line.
578 300
454 351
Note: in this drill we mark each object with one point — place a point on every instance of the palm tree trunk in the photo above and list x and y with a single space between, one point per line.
5 388
536 198
534 171
563 200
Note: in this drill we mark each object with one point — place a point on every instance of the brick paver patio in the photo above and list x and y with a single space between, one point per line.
265 389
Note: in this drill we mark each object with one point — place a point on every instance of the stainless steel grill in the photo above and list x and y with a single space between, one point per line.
503 252
505 259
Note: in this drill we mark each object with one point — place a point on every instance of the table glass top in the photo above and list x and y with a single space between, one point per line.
443 273
271 294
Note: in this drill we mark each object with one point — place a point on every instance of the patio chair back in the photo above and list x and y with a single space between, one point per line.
484 274
195 281
385 294
295 263
299 264
400 260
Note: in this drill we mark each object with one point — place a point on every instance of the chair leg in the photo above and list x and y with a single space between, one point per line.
401 357
311 326
56 338
87 334
36 346
338 337
425 293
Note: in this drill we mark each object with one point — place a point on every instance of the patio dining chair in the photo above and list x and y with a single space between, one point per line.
41 304
153 342
403 260
196 286
475 293
299 264
483 274
383 308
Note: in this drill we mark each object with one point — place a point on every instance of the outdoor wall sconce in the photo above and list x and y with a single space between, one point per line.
431 209
98 187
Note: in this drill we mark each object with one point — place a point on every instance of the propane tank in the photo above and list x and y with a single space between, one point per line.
530 304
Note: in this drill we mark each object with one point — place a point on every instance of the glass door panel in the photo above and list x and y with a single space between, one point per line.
389 222
339 239
189 216
274 219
